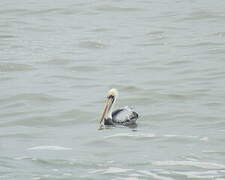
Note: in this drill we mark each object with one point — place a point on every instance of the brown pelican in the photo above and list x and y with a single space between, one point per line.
123 116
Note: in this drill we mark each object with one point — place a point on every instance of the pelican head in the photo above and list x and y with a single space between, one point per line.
107 112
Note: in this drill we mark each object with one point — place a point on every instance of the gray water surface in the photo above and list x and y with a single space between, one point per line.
59 58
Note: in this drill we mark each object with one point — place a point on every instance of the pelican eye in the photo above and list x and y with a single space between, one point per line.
111 96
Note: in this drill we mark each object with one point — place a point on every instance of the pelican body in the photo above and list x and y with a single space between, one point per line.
123 116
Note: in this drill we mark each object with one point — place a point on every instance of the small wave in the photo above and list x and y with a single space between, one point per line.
92 44
57 61
44 11
115 170
208 174
117 9
38 97
25 158
214 152
160 174
183 137
162 137
132 135
204 165
110 170
83 68
154 175
7 36
12 67
52 148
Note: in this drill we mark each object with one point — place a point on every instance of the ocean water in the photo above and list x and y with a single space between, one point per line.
59 58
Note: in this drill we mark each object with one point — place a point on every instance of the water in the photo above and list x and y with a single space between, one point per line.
59 59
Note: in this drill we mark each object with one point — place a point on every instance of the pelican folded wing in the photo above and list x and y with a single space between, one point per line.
124 116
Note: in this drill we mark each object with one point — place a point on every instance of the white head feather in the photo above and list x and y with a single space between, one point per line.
113 92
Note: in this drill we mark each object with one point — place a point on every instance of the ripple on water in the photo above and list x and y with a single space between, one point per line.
34 97
16 11
69 116
154 175
200 44
92 45
44 11
167 138
161 174
219 34
197 15
13 67
57 61
84 68
50 148
172 174
134 135
56 162
203 165
118 9
7 36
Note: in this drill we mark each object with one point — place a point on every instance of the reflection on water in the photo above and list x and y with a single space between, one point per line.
59 59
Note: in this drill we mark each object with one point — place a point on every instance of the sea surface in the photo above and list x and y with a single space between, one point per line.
58 59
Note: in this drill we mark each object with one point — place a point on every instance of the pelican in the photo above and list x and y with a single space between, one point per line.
123 116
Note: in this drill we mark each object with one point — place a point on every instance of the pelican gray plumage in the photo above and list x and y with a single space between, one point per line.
123 116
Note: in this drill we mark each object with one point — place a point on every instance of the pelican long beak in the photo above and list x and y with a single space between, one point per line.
107 108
